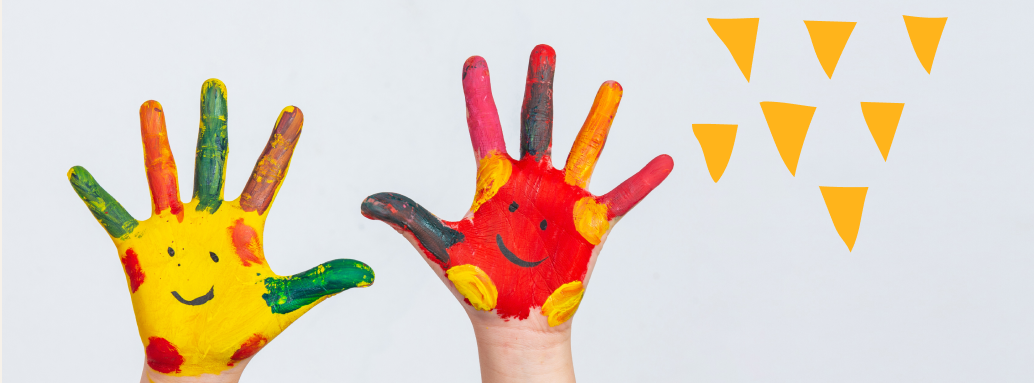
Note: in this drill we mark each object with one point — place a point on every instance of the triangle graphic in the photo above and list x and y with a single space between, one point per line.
789 125
716 141
845 208
882 118
739 35
829 39
925 33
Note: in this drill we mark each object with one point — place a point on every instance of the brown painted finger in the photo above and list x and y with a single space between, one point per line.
271 167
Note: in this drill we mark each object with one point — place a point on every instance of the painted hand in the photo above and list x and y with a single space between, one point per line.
202 292
529 241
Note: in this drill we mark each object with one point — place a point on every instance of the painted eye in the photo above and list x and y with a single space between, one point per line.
513 206
542 225
215 258
172 252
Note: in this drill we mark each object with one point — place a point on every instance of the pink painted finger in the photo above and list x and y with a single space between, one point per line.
486 135
624 197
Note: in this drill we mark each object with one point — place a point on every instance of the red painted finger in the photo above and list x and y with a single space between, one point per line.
271 167
537 110
486 135
624 197
161 167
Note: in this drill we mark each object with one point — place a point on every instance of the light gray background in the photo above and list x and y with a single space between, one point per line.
745 280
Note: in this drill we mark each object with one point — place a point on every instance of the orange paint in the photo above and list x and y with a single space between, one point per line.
739 35
249 348
246 243
829 39
589 143
161 167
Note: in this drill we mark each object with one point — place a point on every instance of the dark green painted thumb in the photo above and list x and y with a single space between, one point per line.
286 294
111 215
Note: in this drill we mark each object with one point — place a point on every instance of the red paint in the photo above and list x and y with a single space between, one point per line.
162 356
541 194
482 117
624 197
246 243
131 263
249 348
158 160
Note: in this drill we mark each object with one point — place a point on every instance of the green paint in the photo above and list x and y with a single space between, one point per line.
286 294
115 219
212 147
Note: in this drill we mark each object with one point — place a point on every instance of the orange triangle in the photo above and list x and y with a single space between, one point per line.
739 35
882 118
829 39
845 208
925 33
789 125
716 141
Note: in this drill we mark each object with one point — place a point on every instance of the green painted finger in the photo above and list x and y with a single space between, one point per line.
111 215
286 294
212 147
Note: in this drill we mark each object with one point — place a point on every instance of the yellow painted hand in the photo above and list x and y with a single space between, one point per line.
203 294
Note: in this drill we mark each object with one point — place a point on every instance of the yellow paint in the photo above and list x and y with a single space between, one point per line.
925 33
590 218
213 82
563 302
493 172
829 39
589 143
206 335
716 141
882 119
789 125
845 208
739 35
474 285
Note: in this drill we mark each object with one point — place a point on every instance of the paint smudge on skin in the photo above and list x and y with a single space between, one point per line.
212 147
111 215
272 164
131 263
162 356
286 294
562 304
246 243
249 348
158 160
403 214
476 286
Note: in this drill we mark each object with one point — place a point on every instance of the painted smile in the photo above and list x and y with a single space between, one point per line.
196 301
510 256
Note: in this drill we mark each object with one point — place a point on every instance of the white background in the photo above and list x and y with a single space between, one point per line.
745 280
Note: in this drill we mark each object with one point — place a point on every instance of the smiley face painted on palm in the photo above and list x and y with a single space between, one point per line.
203 294
526 243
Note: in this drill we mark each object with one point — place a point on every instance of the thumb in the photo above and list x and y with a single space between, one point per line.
286 294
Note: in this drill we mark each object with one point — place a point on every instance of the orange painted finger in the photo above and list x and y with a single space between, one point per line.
589 143
161 167
272 165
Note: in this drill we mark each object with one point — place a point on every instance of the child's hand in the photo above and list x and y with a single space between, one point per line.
203 295
528 244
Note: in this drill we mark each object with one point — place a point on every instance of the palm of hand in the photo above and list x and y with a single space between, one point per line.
202 292
530 235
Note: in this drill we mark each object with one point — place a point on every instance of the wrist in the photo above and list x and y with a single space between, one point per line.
231 375
523 351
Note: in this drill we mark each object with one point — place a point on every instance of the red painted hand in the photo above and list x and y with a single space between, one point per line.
529 241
